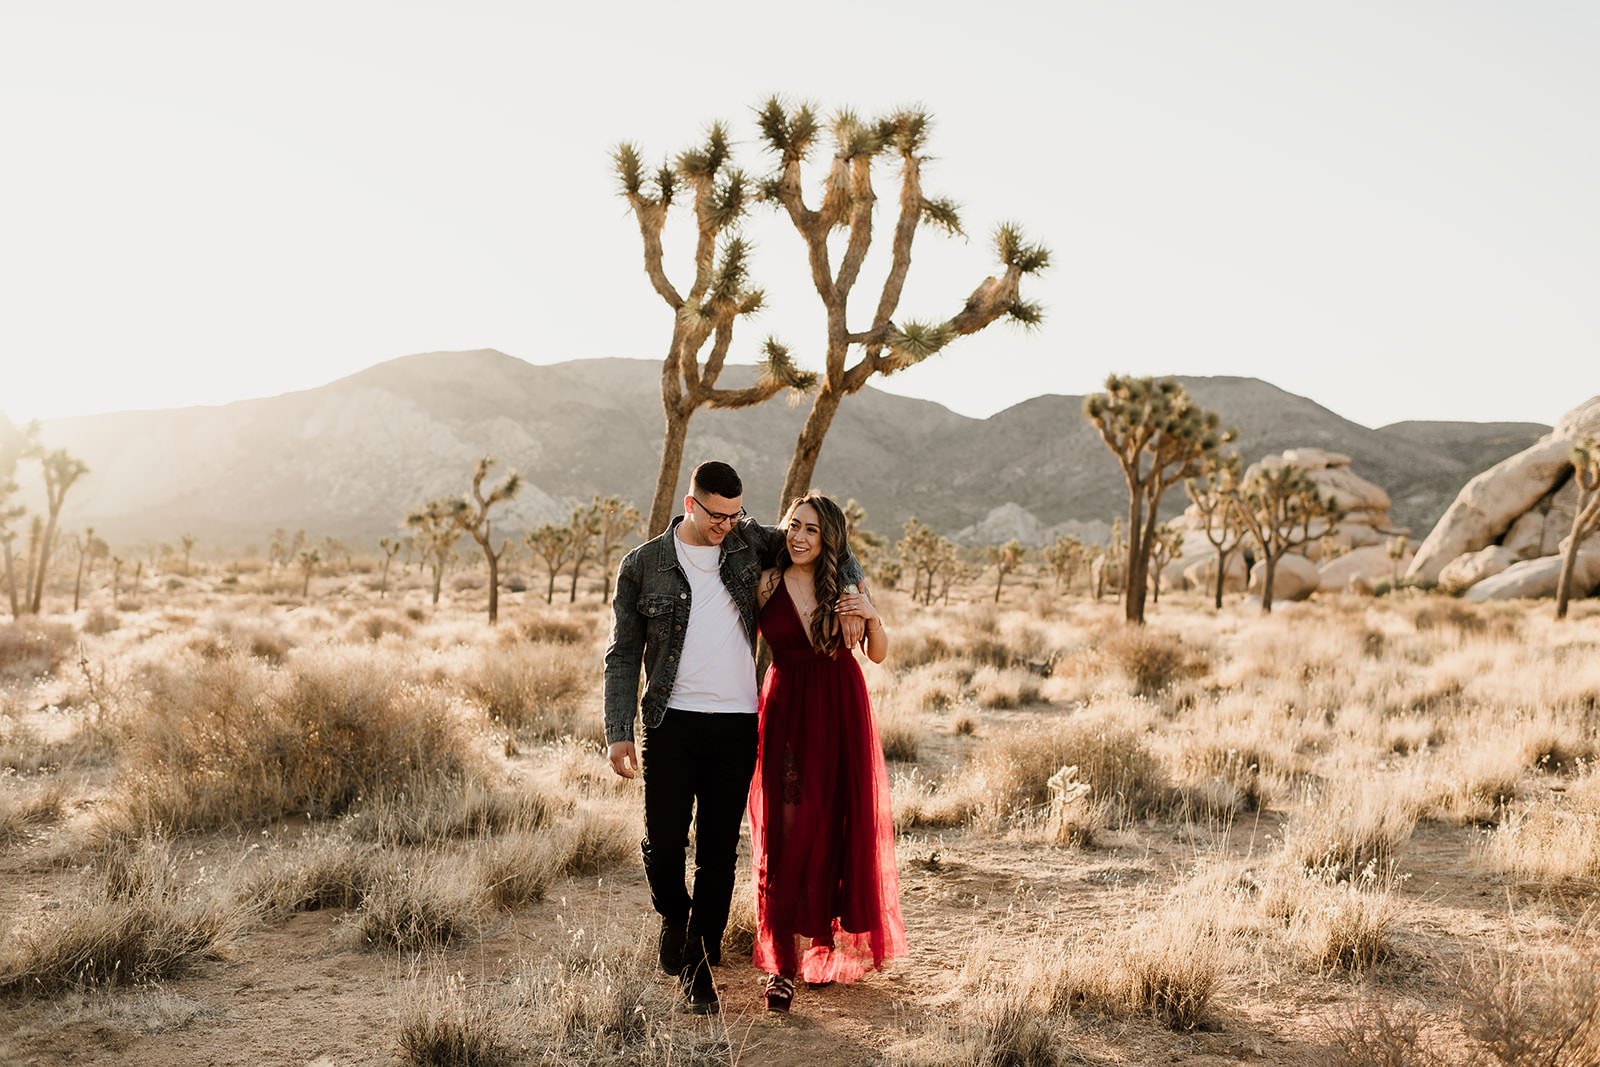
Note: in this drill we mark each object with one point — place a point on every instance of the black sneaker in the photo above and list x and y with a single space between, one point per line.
699 989
670 945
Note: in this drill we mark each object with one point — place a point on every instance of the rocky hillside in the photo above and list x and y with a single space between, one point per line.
349 457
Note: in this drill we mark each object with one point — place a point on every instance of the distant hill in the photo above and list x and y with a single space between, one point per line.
348 458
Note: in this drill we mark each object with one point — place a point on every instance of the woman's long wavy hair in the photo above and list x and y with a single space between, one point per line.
825 634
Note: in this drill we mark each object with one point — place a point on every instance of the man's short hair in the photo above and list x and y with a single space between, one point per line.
714 476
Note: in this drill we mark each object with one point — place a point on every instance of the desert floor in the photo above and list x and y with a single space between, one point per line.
241 827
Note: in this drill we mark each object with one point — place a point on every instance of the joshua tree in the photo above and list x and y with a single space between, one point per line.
1213 495
1159 436
1585 513
552 543
1397 555
1004 559
116 581
473 517
1168 542
309 558
1065 556
619 521
585 527
436 534
85 543
188 543
60 472
278 551
9 513
949 567
1282 509
919 549
847 203
718 295
390 546
863 542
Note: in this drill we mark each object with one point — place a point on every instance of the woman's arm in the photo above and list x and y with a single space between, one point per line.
876 639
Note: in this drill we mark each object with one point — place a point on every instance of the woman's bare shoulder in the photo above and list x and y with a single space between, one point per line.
769 585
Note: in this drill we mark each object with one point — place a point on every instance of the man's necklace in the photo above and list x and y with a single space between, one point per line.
703 570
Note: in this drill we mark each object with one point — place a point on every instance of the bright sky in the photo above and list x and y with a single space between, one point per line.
1387 206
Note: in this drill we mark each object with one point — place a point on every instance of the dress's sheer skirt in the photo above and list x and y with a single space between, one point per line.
827 889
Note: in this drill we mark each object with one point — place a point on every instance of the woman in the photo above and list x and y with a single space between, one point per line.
820 817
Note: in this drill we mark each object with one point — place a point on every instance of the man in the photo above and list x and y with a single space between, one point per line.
685 606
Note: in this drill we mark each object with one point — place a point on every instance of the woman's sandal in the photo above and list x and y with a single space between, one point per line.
780 993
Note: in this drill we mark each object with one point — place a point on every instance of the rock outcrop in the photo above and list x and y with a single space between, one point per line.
1294 578
1502 536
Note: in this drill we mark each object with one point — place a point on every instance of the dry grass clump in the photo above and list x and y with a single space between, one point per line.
100 622
1354 827
443 1024
1112 759
1150 659
540 691
1471 782
26 805
440 809
139 924
1347 927
232 742
1005 687
1555 841
324 871
426 901
376 625
32 647
548 628
1536 1007
256 637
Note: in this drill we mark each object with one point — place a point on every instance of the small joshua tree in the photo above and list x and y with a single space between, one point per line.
1159 437
9 513
1397 556
1004 559
552 543
585 527
1064 557
390 546
61 471
309 558
718 296
1585 514
1282 509
473 517
847 204
1212 495
188 543
436 531
619 521
1164 549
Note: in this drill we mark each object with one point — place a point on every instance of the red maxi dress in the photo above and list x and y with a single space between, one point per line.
820 817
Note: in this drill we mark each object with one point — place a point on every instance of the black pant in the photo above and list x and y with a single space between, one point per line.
697 765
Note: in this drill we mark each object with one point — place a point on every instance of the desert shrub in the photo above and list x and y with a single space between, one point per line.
548 628
1347 927
137 925
916 646
588 997
425 902
235 743
25 805
1111 759
254 637
376 625
443 1025
596 842
100 622
1353 827
1000 1026
466 583
1377 1033
1535 1008
538 690
1554 842
1151 660
994 687
518 868
433 810
324 871
31 647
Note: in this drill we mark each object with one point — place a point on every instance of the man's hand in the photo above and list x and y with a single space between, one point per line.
623 758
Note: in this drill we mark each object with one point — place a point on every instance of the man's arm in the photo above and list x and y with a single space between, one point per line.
768 539
624 654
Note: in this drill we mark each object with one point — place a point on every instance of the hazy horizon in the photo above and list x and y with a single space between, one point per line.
1385 208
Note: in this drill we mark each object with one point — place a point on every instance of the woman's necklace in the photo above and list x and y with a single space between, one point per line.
799 602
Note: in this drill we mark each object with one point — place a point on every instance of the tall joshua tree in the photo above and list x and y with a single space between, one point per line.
60 472
719 294
473 517
847 203
390 546
1585 514
1282 509
309 558
1159 436
1213 495
584 526
436 534
1065 556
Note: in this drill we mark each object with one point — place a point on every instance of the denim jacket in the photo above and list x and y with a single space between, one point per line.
650 609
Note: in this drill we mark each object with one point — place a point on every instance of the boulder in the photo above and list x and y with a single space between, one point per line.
1360 570
1295 578
1539 531
1466 571
1581 420
1538 578
1201 574
1490 503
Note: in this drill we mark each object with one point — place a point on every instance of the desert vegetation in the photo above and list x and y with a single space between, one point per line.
360 825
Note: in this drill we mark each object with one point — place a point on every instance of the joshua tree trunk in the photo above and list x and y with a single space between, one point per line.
803 464
1135 584
1564 585
1000 580
664 504
1269 570
438 577
1222 574
11 578
383 582
494 585
77 583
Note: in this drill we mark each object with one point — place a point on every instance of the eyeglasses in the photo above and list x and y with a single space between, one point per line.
718 518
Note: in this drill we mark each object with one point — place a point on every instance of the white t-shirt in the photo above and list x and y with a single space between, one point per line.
717 669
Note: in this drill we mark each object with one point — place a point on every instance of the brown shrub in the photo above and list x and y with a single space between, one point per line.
541 691
31 647
1151 660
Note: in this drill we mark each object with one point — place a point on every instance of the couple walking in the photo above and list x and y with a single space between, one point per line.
803 755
